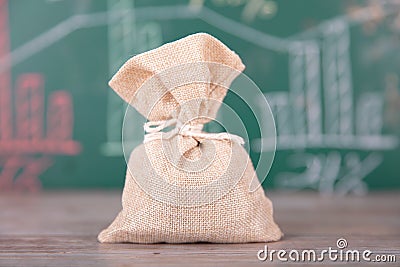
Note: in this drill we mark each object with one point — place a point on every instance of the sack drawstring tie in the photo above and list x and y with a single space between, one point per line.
154 129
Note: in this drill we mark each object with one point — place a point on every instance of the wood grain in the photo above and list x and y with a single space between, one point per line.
60 229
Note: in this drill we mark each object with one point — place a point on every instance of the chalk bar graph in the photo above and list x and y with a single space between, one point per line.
330 74
27 134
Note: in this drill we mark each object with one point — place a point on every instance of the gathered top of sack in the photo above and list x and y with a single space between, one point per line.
185 80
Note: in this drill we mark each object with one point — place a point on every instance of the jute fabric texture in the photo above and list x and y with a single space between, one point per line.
183 186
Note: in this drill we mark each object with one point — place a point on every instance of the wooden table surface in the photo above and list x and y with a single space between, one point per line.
60 229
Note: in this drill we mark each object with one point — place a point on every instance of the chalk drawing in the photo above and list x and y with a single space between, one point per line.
347 126
25 145
317 56
125 38
344 127
330 173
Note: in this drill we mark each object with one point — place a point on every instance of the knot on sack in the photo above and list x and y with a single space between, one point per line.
154 131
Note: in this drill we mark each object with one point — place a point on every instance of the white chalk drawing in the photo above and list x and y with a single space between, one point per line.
346 126
318 56
120 42
179 12
125 38
298 111
331 172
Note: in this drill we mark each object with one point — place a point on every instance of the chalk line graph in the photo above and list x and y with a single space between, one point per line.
290 45
344 128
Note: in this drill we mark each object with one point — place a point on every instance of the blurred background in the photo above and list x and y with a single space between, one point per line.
329 70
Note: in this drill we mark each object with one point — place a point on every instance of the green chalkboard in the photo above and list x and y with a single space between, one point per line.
329 70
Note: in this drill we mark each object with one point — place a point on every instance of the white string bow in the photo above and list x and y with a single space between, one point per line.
154 129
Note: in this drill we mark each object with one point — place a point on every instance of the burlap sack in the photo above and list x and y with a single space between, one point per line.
187 185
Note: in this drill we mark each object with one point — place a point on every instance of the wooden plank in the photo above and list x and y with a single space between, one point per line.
60 228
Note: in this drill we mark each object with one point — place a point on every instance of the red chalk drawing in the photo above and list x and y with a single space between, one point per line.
5 76
29 103
60 117
26 145
21 173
